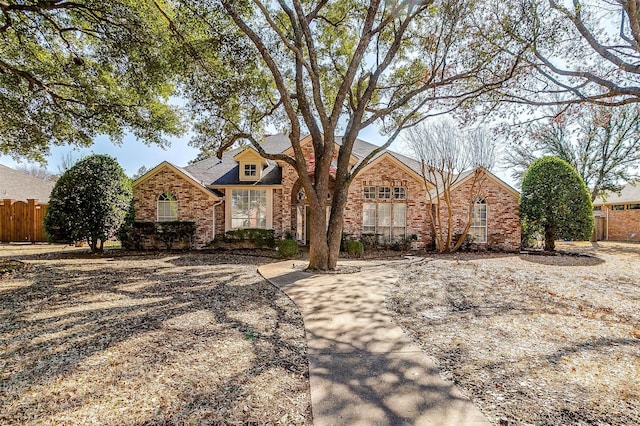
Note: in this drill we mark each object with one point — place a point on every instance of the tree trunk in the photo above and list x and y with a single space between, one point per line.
549 238
335 224
318 247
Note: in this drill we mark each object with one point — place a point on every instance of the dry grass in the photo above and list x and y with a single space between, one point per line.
533 339
151 339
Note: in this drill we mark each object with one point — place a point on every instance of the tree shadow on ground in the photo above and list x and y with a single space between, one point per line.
73 317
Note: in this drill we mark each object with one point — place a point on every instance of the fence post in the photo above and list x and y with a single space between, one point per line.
31 219
5 221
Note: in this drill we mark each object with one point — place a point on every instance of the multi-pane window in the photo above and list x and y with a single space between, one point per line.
384 192
478 228
633 207
248 208
387 220
369 192
617 207
250 170
400 193
167 207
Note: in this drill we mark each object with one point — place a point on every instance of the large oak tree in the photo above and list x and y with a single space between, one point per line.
72 70
327 67
577 50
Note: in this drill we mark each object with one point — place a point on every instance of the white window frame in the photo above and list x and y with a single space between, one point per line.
369 192
250 170
167 201
385 226
399 193
479 219
384 192
268 210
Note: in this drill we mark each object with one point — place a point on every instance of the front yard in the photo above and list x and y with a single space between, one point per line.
532 339
142 340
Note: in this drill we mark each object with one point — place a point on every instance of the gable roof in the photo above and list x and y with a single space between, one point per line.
630 193
468 174
179 170
20 186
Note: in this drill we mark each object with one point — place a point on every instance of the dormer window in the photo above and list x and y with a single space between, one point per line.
250 170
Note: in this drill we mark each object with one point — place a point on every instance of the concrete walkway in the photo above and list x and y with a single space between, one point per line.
363 369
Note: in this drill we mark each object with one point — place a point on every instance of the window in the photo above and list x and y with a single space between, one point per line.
248 208
387 220
399 193
478 228
384 192
633 207
250 170
617 207
597 208
167 207
369 218
369 192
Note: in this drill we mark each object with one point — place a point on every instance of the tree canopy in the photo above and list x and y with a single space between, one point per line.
555 201
70 71
89 202
577 50
601 143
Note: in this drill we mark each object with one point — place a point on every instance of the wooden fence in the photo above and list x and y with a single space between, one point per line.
22 221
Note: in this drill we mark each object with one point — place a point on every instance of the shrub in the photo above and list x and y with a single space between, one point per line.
287 248
555 201
354 248
259 237
151 234
89 202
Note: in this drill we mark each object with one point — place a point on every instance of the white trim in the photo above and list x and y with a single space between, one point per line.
229 197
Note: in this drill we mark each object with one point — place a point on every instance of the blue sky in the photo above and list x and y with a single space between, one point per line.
133 154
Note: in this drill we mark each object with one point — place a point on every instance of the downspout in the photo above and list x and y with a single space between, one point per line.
606 237
213 228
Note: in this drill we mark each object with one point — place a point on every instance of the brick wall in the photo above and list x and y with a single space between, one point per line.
387 173
624 225
503 221
193 204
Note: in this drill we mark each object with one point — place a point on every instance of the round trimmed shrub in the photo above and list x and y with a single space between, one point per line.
355 248
287 248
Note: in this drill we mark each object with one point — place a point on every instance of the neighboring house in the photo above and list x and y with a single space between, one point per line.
15 185
388 198
617 216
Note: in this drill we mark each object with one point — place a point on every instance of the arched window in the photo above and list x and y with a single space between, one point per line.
478 228
167 207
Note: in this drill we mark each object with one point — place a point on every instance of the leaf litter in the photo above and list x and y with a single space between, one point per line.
533 340
189 338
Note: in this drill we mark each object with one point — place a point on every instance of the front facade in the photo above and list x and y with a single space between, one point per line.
617 216
388 199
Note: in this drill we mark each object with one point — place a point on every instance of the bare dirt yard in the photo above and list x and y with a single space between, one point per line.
533 340
151 339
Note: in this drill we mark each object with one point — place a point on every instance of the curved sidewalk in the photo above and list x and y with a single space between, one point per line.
363 369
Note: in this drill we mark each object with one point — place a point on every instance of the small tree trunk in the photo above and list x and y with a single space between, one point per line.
549 238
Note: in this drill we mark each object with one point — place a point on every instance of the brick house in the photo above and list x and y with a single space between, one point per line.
388 198
617 216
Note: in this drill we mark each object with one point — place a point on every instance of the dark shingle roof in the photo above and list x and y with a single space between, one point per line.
214 171
20 186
